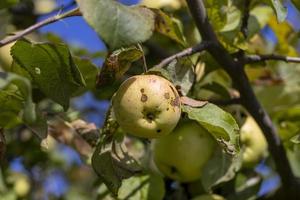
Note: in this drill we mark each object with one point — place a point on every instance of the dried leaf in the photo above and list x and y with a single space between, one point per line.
192 102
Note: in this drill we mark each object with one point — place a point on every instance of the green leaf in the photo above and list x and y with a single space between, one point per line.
296 139
168 26
179 72
146 187
112 168
11 102
259 17
246 188
280 10
50 67
24 87
294 159
117 24
217 88
219 123
89 73
7 3
40 126
116 64
216 13
182 74
220 168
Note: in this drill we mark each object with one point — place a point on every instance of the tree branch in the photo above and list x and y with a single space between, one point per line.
186 52
244 26
260 58
235 69
18 35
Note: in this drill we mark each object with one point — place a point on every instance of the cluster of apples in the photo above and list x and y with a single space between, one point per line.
149 106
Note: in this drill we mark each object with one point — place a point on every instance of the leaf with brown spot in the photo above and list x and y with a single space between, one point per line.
116 64
168 26
192 102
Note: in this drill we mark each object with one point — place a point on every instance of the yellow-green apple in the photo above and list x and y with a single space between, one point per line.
174 4
254 143
21 184
147 106
182 154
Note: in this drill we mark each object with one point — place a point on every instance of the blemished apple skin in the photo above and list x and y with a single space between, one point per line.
254 143
182 154
147 106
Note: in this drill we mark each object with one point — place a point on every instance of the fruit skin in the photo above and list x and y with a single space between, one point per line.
175 4
208 197
255 144
147 106
182 154
22 186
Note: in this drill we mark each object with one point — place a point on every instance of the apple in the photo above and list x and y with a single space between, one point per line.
22 186
182 154
208 197
147 106
174 4
5 57
254 143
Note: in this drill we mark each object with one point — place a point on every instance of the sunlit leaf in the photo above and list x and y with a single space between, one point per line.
24 88
117 24
219 123
216 11
180 72
168 26
280 10
145 187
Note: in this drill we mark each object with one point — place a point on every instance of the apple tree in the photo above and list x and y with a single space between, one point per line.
201 100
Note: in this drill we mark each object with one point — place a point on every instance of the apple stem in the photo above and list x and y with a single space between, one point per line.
144 58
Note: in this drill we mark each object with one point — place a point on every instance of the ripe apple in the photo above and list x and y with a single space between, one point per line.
254 143
208 197
21 185
175 4
182 154
147 106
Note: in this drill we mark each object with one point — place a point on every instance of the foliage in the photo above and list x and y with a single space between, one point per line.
42 79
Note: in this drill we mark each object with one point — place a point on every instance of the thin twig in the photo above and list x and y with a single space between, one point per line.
62 8
18 35
186 52
260 58
235 69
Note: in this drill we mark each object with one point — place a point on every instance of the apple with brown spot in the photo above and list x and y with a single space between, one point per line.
147 106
